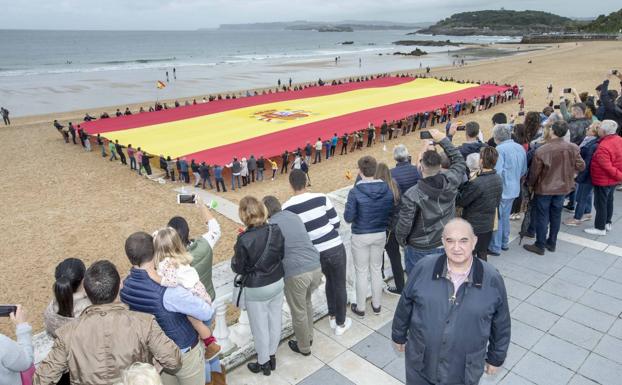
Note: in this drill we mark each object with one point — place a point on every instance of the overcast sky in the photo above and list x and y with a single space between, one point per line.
193 14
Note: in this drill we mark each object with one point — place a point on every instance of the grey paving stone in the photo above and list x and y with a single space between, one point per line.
515 353
494 379
541 265
534 316
590 317
616 329
580 380
576 333
386 329
551 302
541 370
608 287
613 274
514 379
577 277
523 274
376 349
567 247
564 289
513 303
560 351
518 289
601 370
524 335
326 376
602 302
397 369
610 347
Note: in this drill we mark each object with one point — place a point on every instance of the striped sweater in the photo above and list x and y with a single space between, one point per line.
319 217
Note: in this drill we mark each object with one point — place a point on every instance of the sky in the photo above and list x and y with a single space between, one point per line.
194 14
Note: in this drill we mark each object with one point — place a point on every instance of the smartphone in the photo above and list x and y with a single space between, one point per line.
425 135
556 106
521 113
5 310
186 198
614 72
461 128
567 90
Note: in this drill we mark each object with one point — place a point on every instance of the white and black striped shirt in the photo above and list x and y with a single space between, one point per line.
320 218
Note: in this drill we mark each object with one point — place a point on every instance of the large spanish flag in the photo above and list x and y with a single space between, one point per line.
268 124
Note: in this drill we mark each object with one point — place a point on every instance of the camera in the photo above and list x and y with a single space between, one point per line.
425 135
186 198
567 90
5 310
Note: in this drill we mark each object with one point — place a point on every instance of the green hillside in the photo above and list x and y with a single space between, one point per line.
611 23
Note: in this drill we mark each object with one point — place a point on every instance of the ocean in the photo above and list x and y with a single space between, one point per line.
54 71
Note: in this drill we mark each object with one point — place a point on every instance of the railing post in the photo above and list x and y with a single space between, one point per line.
221 330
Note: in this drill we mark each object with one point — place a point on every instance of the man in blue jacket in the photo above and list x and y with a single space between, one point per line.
453 318
368 208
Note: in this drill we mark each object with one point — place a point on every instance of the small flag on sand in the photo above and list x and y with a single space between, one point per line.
160 84
213 204
349 174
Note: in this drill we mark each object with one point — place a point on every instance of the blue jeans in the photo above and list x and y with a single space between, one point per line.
583 198
260 174
412 256
548 214
233 179
501 237
103 151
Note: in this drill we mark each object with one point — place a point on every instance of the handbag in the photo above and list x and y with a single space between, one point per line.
239 282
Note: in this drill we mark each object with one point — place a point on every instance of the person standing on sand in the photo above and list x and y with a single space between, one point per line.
174 74
318 151
72 131
5 116
100 142
344 143
119 149
112 148
130 154
167 77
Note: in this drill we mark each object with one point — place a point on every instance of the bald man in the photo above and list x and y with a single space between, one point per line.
453 319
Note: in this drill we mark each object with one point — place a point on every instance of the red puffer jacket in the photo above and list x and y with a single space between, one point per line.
606 166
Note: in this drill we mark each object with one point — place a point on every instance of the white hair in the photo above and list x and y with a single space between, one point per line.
140 374
610 127
400 153
502 132
472 161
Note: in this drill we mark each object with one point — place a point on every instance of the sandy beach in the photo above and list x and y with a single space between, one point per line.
59 201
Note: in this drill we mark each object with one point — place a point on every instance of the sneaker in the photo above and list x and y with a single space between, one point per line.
569 208
608 227
212 351
586 218
356 311
340 329
534 249
594 231
392 290
332 323
572 222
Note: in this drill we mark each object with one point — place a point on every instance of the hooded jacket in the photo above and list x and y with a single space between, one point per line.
606 164
430 204
480 198
613 108
369 207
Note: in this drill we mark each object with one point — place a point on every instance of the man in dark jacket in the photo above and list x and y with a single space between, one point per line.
455 309
369 208
576 119
606 172
252 167
205 175
551 176
119 149
612 107
404 173
472 144
430 204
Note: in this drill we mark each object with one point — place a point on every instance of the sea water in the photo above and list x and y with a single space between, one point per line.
53 71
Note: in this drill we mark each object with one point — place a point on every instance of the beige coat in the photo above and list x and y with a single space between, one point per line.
105 340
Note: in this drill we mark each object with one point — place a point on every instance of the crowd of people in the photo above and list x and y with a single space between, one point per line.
449 209
245 170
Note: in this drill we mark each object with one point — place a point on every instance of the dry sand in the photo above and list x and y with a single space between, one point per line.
59 202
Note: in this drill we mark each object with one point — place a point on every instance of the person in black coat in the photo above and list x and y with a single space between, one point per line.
480 198
258 261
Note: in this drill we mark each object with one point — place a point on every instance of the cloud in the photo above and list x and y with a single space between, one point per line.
192 14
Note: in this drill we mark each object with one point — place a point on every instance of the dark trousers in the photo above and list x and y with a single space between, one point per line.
370 138
73 137
393 251
481 247
185 176
332 150
251 175
122 156
209 182
7 121
548 216
220 182
333 262
583 200
318 156
603 202
132 163
344 147
284 166
147 167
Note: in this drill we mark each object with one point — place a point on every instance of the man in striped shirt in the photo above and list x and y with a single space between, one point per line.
321 222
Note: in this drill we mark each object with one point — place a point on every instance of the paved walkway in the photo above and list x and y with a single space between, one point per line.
566 326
